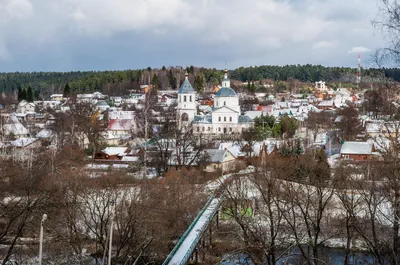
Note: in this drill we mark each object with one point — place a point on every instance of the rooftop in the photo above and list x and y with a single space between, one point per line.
356 148
186 87
226 92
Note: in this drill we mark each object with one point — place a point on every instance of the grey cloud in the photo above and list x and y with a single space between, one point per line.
115 34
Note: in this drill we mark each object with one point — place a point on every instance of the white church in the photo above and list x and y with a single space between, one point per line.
225 117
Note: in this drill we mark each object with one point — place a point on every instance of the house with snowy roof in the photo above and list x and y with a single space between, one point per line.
14 128
218 160
356 151
112 153
25 106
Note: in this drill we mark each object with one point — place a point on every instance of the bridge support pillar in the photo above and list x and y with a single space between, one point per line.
210 233
218 219
203 248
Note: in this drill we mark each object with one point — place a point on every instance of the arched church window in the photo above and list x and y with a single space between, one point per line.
230 119
224 103
203 129
198 129
185 117
184 98
190 98
224 118
219 129
219 118
230 129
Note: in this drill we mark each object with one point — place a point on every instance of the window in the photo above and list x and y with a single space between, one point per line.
230 119
219 129
219 118
224 118
224 103
203 129
230 129
180 98
198 129
185 117
209 129
184 98
190 98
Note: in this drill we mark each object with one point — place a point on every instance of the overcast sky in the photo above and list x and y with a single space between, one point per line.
65 35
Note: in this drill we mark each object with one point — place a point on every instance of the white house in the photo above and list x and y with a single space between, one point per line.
320 86
56 97
25 106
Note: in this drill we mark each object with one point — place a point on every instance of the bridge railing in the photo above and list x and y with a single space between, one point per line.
183 237
198 236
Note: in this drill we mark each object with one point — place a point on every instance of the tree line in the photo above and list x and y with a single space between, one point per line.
202 79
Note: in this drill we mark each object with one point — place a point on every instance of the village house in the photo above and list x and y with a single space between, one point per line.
112 153
326 105
356 151
25 106
56 97
216 160
121 126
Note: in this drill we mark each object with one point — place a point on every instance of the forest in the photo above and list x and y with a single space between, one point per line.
115 82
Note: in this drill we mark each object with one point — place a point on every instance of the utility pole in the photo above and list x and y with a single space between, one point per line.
44 217
110 242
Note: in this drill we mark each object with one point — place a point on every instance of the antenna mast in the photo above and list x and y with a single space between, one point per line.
359 71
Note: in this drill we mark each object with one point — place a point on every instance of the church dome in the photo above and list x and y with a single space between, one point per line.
226 92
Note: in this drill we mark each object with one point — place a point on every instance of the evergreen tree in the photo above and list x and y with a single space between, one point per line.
253 87
36 94
155 82
23 95
171 79
199 83
29 94
163 68
20 96
67 90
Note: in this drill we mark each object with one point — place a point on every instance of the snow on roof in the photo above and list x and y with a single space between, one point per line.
130 159
245 119
23 142
115 151
216 155
373 127
45 133
202 119
121 115
254 113
16 129
358 148
97 166
381 143
120 166
235 150
326 103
